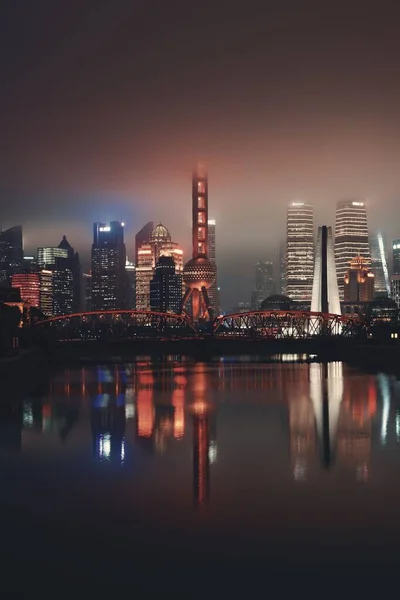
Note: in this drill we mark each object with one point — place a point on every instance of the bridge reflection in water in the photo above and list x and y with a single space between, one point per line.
331 412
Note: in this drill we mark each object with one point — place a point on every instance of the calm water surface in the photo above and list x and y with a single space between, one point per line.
175 468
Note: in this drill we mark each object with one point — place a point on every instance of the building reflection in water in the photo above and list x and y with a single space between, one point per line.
108 416
335 425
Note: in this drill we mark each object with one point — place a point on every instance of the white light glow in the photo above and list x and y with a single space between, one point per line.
105 228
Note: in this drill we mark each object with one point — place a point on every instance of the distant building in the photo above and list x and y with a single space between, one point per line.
396 257
359 281
211 252
108 267
87 292
281 275
351 238
29 287
64 263
300 251
264 283
160 244
11 253
379 266
395 289
130 270
166 287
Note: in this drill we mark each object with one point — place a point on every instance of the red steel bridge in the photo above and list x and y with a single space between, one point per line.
131 324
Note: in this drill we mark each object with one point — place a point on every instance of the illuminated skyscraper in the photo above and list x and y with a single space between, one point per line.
199 272
11 253
166 287
351 237
130 269
47 256
300 251
325 293
46 292
29 286
159 244
379 266
264 283
108 267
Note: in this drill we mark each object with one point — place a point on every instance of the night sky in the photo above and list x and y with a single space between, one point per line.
106 106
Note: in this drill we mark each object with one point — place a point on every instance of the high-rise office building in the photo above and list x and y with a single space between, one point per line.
359 281
396 257
300 251
108 267
213 289
64 263
166 287
11 253
264 283
379 266
325 294
29 286
143 237
46 292
281 271
87 292
351 237
159 244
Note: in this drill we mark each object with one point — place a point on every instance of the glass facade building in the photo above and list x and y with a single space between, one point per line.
108 267
300 251
264 283
379 266
351 238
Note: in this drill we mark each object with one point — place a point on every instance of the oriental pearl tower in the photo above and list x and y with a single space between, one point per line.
199 273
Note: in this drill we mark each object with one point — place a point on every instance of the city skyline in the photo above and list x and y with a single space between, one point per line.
106 119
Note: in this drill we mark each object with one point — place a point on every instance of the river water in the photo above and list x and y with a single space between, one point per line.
158 471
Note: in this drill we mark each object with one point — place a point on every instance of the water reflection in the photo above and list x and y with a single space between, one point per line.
331 419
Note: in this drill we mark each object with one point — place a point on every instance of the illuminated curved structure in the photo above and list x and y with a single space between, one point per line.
118 325
286 324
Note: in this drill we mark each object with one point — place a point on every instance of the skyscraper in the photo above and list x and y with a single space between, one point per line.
351 237
11 253
29 286
143 237
300 251
130 269
264 283
213 290
64 263
325 293
166 287
159 244
379 266
108 267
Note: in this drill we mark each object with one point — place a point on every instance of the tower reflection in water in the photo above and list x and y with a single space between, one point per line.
204 435
333 426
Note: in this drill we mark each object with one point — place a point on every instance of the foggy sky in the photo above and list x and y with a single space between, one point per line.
106 106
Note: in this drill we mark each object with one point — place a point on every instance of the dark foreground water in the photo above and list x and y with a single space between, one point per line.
171 477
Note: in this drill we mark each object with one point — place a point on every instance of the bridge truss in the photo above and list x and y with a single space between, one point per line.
128 325
279 324
118 325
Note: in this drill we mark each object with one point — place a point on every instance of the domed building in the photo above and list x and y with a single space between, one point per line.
159 244
160 235
277 302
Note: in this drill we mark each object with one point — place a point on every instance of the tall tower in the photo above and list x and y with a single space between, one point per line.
351 237
325 294
199 273
300 251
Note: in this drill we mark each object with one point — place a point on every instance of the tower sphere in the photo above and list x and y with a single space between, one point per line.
199 272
